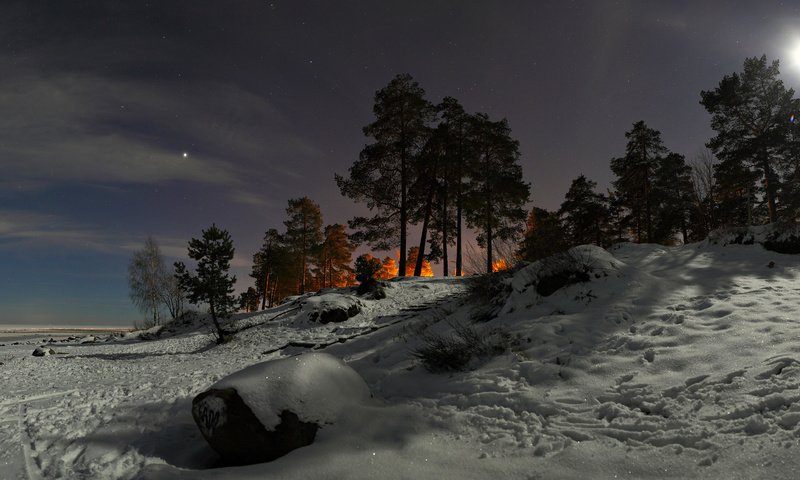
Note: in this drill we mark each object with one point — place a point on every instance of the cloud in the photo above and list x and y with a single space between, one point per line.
32 229
253 199
78 127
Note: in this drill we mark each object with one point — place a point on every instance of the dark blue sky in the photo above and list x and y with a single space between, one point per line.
100 100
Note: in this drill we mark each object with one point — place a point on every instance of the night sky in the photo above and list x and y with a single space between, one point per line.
126 119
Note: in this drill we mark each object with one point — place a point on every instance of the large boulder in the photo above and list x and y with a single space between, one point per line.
271 408
331 307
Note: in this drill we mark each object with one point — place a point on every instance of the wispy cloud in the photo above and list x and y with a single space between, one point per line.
33 229
82 127
253 199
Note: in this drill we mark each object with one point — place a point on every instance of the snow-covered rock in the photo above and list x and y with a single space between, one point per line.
331 307
268 409
43 351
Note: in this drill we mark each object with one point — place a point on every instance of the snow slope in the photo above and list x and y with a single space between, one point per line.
674 362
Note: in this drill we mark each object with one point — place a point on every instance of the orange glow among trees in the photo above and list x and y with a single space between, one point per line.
500 264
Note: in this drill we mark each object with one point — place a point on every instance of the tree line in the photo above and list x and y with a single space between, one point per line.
750 175
439 167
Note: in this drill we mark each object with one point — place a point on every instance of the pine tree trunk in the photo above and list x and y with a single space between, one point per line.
424 234
265 293
488 200
445 260
458 229
770 188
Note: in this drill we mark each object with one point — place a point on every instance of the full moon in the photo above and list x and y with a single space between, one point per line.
185 154
793 54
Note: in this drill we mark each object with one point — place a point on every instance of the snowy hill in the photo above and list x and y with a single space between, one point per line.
663 362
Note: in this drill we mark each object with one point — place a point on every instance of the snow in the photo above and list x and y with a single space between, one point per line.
316 387
672 362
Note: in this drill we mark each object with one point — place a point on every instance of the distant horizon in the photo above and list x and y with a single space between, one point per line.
24 328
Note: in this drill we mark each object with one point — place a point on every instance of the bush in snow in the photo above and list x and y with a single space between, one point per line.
564 269
489 292
455 351
777 237
366 268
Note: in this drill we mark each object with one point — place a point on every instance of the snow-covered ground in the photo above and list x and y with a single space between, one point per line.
676 362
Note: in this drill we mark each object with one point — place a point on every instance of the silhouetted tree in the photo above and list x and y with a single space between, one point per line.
672 197
497 192
635 173
248 300
384 172
454 136
544 235
303 234
265 263
367 266
583 213
334 257
703 217
211 284
751 112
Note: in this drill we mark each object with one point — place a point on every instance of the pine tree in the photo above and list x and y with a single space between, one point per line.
384 172
457 153
737 193
248 300
334 258
672 197
265 264
497 192
583 213
703 216
303 234
366 267
544 235
211 283
635 173
751 112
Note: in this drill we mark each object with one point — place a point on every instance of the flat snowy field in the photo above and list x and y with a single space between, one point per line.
676 362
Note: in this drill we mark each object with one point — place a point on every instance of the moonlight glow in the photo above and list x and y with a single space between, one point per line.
793 54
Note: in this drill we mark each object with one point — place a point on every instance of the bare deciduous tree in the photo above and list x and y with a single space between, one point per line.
153 286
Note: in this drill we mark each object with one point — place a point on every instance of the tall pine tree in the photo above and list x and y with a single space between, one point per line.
750 111
384 172
334 258
635 173
497 191
303 234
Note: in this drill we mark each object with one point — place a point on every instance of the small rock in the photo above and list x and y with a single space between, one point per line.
771 265
43 351
649 355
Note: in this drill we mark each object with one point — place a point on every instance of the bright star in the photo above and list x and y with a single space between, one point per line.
185 154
